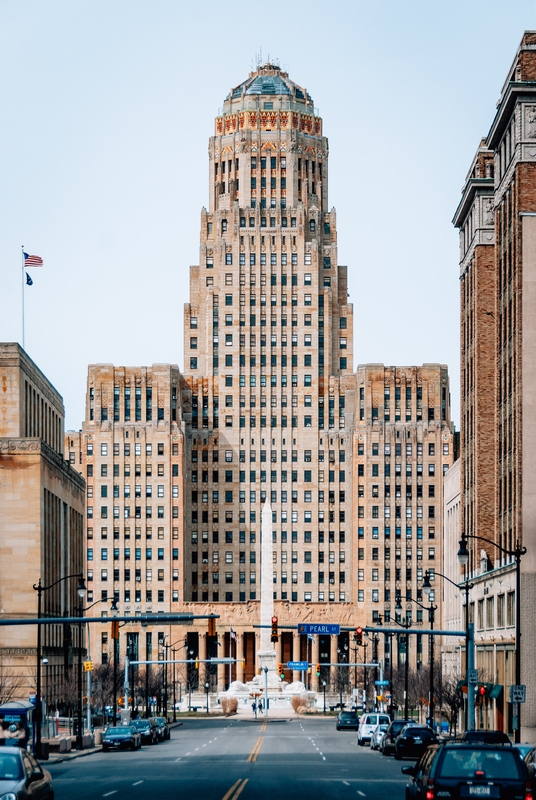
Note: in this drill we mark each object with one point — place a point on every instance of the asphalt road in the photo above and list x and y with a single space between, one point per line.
223 759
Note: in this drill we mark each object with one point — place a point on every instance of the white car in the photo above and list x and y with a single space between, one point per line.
377 735
368 723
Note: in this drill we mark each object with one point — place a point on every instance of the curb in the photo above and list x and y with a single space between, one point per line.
88 752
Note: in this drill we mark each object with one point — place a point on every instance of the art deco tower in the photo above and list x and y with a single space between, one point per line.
268 357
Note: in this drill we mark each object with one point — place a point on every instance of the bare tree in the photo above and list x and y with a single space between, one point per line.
450 699
11 684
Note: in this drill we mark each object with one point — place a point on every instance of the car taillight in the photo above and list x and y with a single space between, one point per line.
430 790
528 792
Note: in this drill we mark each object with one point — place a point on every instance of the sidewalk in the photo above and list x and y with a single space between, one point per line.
57 758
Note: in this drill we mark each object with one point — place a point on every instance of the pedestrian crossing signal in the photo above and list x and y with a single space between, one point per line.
88 666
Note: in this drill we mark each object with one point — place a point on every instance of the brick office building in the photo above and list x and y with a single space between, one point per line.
497 222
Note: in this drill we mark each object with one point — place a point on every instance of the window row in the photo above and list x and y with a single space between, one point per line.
115 553
127 449
160 512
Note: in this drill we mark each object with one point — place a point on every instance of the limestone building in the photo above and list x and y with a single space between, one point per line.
41 524
268 407
497 222
130 451
403 445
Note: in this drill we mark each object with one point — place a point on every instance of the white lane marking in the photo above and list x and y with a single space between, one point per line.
361 793
109 793
346 783
204 745
137 783
177 759
323 758
196 749
188 753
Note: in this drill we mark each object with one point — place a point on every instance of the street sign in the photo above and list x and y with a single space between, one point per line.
518 694
298 665
327 630
473 676
381 683
222 660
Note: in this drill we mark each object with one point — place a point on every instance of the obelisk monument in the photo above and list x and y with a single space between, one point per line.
266 654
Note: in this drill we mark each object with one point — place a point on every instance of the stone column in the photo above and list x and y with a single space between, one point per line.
316 683
241 655
296 676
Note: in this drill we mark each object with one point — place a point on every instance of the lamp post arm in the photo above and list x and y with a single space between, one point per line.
39 588
517 553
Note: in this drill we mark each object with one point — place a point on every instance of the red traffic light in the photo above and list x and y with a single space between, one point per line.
359 635
274 637
274 620
481 690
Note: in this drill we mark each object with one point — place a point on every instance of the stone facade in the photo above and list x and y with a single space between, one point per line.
41 522
497 222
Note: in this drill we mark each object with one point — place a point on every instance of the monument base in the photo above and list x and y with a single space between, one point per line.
266 661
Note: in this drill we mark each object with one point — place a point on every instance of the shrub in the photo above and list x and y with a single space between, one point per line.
229 705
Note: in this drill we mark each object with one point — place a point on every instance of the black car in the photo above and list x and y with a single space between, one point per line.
462 770
148 730
529 758
387 746
487 737
347 721
22 776
412 741
123 737
163 729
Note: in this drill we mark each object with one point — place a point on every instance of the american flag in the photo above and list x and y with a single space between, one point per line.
32 261
233 635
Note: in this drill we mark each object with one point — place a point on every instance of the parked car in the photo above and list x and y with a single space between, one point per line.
488 737
387 746
367 723
529 758
122 737
147 729
347 721
412 741
377 735
461 770
22 776
163 728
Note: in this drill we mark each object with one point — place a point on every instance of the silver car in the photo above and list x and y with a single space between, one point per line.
22 776
377 735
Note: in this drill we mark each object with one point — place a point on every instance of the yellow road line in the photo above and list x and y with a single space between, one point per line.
238 786
255 752
263 727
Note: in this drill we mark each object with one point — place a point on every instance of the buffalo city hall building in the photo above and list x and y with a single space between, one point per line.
268 407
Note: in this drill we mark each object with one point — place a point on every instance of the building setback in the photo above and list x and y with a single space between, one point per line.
41 525
130 451
497 222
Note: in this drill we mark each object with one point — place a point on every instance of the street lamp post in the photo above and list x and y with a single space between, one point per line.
207 687
517 553
427 588
39 588
115 632
405 623
164 697
324 688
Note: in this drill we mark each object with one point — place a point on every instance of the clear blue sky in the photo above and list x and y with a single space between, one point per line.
107 106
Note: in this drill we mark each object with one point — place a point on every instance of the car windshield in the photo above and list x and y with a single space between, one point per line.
348 715
413 730
160 720
10 767
465 762
118 732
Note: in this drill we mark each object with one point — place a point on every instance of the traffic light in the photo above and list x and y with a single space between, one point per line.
281 671
318 670
88 666
275 636
481 692
197 663
115 629
359 636
211 626
243 663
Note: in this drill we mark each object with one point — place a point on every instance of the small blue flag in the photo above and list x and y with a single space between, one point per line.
29 281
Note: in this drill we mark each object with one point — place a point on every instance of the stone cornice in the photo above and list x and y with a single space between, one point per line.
473 187
513 93
19 447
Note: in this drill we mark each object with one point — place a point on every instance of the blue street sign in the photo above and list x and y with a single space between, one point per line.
298 665
327 630
381 683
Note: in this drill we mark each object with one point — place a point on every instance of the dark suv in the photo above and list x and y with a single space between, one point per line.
488 737
387 746
148 730
460 770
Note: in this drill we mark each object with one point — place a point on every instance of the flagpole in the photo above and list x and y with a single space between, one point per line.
22 256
